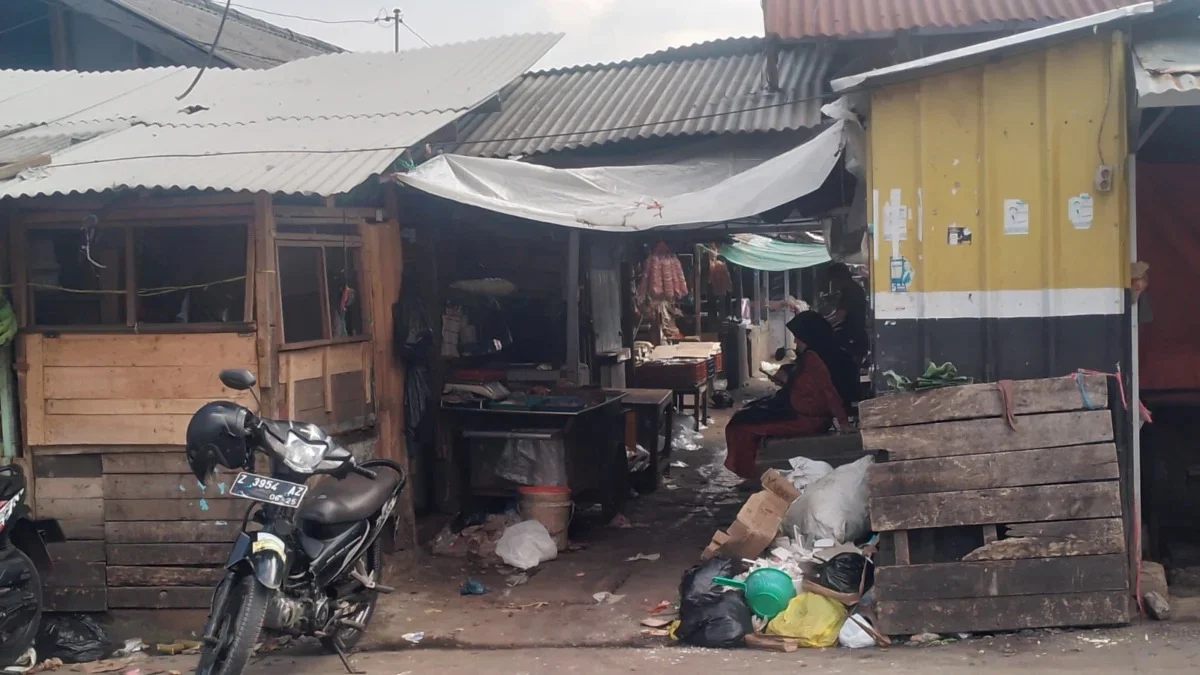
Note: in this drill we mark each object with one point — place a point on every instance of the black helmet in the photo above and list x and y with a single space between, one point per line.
217 435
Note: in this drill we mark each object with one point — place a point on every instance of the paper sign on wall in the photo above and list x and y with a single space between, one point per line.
1016 216
1080 211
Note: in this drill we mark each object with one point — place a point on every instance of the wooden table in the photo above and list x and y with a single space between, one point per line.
655 412
699 394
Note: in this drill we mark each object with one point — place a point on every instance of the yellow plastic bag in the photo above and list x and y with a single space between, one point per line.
812 619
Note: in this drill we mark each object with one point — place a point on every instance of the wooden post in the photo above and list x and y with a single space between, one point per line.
697 289
787 290
266 286
383 271
755 299
131 279
573 304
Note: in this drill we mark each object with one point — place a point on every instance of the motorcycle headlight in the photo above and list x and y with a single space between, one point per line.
300 455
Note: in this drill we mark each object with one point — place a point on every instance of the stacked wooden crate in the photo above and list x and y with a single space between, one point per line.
998 526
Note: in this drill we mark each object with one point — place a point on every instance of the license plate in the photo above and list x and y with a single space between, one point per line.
268 490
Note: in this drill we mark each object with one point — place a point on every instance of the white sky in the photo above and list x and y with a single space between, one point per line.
596 30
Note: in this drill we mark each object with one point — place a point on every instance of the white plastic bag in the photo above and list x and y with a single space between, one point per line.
806 471
526 545
835 506
852 634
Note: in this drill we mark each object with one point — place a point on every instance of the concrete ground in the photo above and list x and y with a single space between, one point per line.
553 623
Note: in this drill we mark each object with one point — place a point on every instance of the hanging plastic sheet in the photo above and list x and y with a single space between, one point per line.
632 198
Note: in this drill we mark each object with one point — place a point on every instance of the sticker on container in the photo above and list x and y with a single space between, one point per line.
1080 211
895 217
1016 216
901 274
956 235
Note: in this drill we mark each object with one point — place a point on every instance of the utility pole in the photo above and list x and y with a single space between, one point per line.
396 27
395 19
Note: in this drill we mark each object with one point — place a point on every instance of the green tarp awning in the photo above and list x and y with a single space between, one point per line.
770 255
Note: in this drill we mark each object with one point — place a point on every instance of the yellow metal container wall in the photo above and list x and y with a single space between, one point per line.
992 245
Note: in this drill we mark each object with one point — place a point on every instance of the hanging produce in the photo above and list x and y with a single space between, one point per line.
718 276
662 276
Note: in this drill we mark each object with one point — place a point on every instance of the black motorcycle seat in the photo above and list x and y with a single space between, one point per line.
353 498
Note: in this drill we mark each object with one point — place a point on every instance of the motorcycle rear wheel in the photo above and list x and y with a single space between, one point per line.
239 622
348 638
14 643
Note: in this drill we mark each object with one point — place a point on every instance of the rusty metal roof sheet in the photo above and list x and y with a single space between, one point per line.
320 125
1167 71
793 19
709 88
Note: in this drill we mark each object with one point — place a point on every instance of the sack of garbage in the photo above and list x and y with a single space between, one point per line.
814 620
526 545
835 506
709 615
852 635
844 573
73 638
806 471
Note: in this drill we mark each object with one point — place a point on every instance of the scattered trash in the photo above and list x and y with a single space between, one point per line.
1156 606
473 535
27 663
132 646
652 557
581 575
835 506
473 587
516 580
708 615
74 638
661 607
414 638
606 598
679 464
639 459
48 664
925 638
526 545
683 434
178 647
812 619
853 636
656 622
767 590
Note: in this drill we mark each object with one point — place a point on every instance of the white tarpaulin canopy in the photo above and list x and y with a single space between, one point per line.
632 198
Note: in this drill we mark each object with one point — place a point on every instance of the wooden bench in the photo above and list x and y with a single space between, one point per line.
837 449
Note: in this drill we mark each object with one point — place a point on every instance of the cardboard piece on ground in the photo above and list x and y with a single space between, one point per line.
755 528
774 482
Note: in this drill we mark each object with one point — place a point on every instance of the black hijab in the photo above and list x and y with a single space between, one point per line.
818 335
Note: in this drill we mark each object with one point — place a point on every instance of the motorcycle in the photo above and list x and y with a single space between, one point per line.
307 561
24 560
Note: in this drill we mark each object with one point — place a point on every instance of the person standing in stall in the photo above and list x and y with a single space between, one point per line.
850 317
820 387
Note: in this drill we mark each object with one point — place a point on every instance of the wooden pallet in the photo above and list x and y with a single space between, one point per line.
993 527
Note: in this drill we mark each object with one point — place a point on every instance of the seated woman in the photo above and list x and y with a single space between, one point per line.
820 387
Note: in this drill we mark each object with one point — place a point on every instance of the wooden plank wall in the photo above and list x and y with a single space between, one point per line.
1041 500
330 386
84 389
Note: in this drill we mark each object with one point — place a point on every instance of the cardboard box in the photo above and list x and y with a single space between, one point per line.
774 482
756 526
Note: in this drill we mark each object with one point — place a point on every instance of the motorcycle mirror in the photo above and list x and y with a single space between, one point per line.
238 379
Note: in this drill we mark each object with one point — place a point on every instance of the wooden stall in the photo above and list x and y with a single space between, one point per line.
1004 515
129 306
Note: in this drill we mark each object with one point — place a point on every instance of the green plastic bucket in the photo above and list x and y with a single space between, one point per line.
768 591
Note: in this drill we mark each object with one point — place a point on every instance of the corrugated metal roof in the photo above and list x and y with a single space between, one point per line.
19 146
709 88
793 19
320 125
1167 71
960 58
246 41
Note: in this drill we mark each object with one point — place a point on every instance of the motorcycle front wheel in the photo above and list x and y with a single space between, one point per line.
23 606
238 623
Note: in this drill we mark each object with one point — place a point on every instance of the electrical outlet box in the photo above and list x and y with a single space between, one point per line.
1104 178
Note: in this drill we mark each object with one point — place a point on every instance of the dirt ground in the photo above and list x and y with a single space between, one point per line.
553 623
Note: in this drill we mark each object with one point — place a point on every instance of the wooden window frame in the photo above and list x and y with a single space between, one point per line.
321 242
25 292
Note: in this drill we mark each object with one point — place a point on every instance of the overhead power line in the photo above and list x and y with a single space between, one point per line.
313 19
23 24
211 48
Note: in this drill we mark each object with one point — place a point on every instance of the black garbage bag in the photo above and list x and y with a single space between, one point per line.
709 616
844 572
74 638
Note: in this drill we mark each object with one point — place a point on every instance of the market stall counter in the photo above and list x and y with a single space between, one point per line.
562 437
